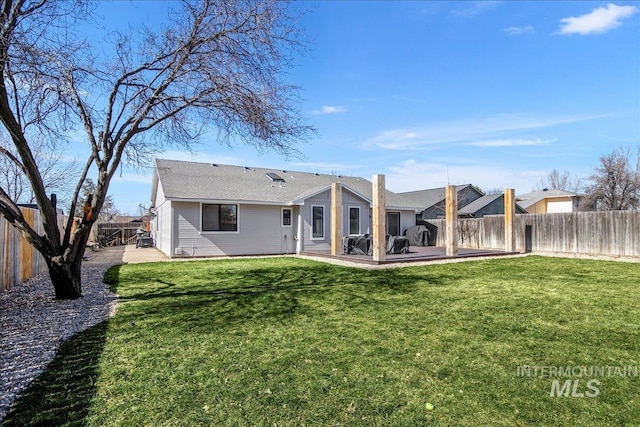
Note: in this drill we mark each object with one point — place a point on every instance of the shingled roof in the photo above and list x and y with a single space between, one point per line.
474 207
530 199
195 181
478 204
430 197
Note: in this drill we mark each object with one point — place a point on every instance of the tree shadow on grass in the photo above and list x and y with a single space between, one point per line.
222 298
62 394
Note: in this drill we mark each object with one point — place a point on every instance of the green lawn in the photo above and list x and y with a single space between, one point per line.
291 342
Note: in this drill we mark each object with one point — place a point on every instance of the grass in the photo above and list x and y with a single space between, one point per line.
290 342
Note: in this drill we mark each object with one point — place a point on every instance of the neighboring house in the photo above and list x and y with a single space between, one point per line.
548 201
489 204
433 201
204 209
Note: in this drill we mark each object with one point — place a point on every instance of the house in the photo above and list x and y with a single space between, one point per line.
548 201
433 201
489 204
204 209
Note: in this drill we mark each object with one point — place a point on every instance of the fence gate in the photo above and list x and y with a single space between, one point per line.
123 233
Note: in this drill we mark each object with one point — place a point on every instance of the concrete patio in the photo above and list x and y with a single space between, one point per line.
124 254
416 254
129 254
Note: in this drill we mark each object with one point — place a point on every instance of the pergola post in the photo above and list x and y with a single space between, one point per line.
379 218
336 218
509 220
452 220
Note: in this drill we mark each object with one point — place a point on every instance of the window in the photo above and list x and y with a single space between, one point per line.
219 217
354 220
317 226
286 217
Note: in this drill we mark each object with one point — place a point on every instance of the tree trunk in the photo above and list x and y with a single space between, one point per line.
65 276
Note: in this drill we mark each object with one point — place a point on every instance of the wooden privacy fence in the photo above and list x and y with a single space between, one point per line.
612 233
19 261
120 233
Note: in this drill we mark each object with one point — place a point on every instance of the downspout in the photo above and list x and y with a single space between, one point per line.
300 236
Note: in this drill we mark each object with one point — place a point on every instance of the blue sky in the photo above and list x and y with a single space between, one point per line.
493 93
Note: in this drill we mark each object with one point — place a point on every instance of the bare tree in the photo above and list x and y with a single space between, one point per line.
615 183
557 180
57 173
213 63
494 190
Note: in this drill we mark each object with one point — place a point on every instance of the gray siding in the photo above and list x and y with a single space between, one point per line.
259 232
163 238
161 225
407 218
322 199
494 208
349 200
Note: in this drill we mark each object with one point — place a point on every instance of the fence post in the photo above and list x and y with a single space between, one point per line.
509 220
452 220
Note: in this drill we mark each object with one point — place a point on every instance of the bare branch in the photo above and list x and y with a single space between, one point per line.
214 64
615 183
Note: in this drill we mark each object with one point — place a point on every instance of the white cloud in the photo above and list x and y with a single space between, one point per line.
329 109
600 20
325 166
476 8
508 142
465 131
415 175
142 177
202 158
517 31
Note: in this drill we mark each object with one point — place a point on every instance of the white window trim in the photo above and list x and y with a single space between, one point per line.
221 232
282 218
359 219
313 220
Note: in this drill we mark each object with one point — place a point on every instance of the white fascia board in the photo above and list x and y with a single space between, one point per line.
234 201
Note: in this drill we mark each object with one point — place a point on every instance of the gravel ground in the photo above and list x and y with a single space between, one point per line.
33 325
